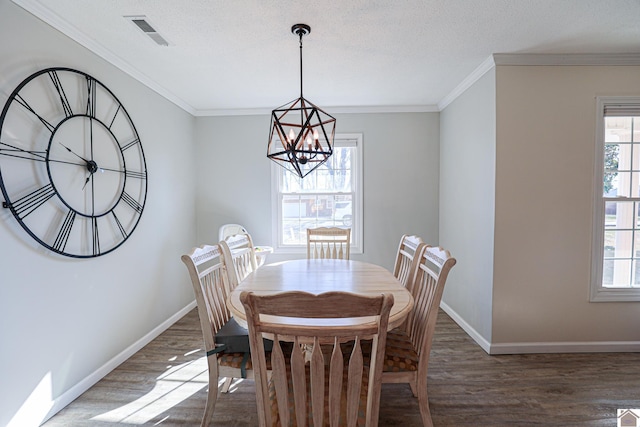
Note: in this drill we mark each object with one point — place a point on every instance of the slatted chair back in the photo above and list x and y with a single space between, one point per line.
407 257
336 373
328 242
209 280
239 256
427 290
412 341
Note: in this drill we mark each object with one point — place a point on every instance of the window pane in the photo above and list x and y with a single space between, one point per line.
618 244
635 282
617 129
621 243
616 273
343 211
324 198
622 184
619 215
611 161
610 184
332 177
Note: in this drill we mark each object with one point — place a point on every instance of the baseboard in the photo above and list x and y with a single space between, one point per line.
475 335
541 347
70 395
566 347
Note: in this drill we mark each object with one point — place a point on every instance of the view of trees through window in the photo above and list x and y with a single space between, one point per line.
324 198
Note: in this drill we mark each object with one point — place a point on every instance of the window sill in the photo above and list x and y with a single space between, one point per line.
602 294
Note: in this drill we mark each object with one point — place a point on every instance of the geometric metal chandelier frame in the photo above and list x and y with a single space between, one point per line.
302 134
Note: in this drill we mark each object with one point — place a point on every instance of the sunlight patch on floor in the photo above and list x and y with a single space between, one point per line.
233 387
172 387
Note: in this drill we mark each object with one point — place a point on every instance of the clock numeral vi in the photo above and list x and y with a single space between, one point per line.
65 230
32 201
96 236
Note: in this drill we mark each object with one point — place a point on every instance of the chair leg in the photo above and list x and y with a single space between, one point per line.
423 403
226 385
412 384
212 394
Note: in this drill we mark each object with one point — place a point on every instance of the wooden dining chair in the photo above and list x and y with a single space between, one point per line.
208 277
409 346
336 387
328 242
239 257
409 251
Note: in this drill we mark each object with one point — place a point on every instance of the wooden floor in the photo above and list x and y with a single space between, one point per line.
165 385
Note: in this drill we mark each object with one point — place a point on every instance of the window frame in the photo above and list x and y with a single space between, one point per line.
598 292
357 228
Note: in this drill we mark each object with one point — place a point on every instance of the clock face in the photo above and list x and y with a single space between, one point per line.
72 168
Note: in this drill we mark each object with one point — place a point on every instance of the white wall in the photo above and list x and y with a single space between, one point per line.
467 197
62 319
400 178
544 186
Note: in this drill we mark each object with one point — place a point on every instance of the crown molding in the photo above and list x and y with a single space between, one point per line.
46 15
567 58
475 75
538 59
330 110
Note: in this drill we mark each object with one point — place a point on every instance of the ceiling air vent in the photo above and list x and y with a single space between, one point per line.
142 23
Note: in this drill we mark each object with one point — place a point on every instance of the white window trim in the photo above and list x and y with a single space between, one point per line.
599 293
357 232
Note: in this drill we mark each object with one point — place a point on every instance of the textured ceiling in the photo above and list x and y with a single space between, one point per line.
240 54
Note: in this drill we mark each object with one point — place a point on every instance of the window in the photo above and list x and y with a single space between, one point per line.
616 248
331 196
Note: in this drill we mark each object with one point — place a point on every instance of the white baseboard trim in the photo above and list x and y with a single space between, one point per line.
566 347
74 392
542 347
479 339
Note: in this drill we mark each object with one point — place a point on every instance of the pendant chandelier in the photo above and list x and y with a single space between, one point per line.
301 136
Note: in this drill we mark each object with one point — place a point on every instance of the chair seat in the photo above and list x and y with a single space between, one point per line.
237 360
236 338
362 407
399 356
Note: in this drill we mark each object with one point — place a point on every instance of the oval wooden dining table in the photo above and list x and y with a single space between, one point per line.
324 275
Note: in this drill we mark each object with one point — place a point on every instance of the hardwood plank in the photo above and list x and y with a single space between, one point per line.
466 387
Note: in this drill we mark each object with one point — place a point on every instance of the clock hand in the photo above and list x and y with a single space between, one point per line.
69 150
37 156
92 167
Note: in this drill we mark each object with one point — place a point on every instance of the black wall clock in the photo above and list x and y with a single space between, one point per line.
72 168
